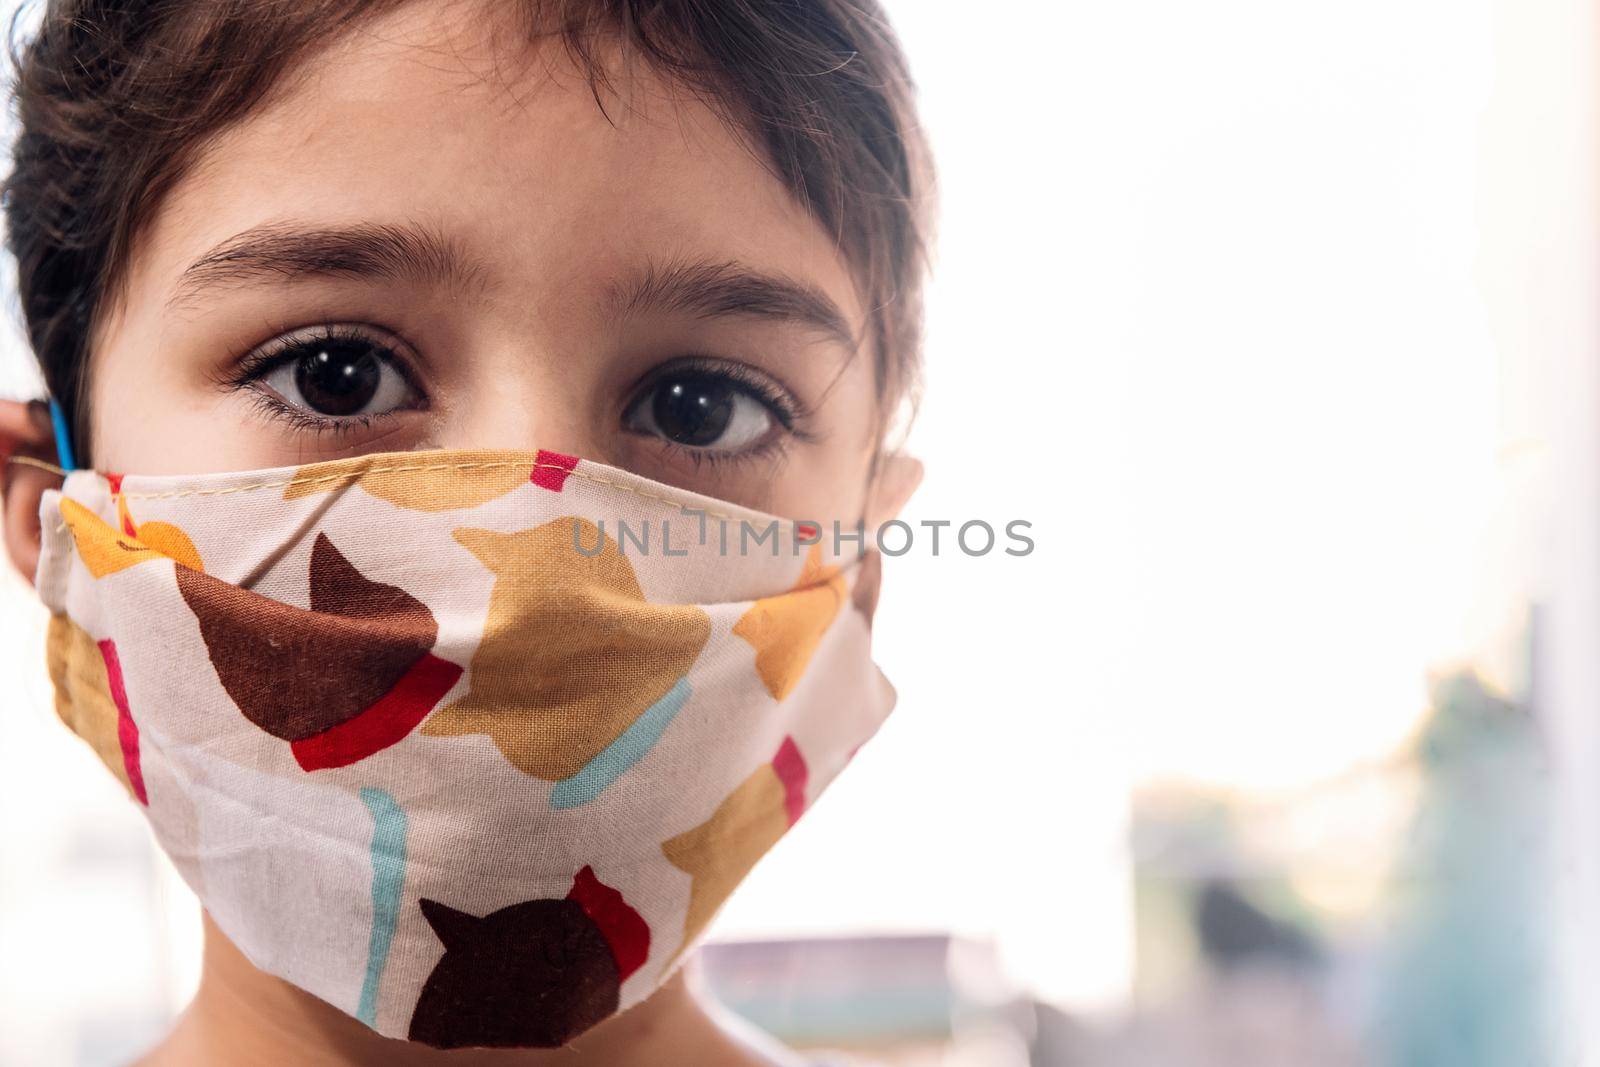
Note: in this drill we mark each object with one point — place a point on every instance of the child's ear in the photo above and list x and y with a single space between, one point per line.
896 478
24 431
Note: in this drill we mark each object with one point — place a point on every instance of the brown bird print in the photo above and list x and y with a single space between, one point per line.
347 678
531 975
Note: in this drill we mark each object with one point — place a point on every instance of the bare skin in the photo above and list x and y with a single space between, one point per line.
557 329
240 1016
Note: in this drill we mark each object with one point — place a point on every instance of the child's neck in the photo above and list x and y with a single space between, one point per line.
245 1017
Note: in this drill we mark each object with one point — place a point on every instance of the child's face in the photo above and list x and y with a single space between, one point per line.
461 250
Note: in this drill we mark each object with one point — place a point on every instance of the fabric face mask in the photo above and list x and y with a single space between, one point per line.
471 745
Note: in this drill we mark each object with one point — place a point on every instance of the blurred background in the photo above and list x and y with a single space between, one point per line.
1277 321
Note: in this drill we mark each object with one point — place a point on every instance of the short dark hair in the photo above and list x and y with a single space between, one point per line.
116 98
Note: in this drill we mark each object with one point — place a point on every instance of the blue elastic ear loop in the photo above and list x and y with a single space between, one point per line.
63 438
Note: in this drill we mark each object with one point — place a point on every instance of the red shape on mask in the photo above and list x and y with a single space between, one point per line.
385 722
127 729
623 928
790 768
550 470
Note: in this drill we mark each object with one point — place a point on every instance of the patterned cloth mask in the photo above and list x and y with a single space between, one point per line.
471 745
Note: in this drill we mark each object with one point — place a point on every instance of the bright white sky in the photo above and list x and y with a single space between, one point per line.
1211 313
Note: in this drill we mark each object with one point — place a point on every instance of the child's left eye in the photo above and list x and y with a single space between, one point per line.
701 410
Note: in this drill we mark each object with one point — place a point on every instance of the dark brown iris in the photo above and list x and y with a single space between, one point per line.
693 409
339 378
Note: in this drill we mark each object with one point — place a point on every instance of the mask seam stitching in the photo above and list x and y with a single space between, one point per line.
357 475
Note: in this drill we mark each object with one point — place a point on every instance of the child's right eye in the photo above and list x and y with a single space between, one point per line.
330 377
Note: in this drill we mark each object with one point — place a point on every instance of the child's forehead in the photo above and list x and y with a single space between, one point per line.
502 145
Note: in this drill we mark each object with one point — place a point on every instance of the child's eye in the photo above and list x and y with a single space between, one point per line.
333 373
707 410
340 377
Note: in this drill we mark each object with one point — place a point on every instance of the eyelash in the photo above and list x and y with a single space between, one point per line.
250 367
304 421
788 410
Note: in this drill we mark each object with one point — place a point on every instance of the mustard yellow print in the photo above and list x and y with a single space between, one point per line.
83 692
163 537
470 479
572 654
786 629
169 541
105 551
719 852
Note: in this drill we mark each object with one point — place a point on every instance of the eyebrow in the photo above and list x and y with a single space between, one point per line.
397 252
726 288
706 288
